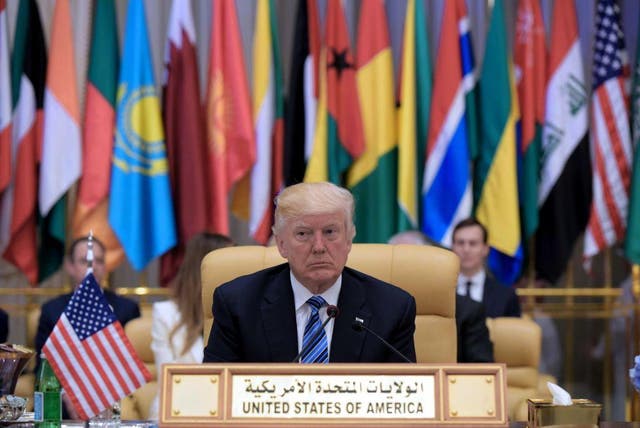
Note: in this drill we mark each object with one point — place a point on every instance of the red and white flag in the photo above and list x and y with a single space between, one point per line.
18 204
90 354
184 133
610 136
61 115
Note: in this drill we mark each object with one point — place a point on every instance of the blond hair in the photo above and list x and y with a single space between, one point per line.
312 199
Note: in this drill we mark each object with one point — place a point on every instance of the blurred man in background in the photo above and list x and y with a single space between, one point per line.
75 265
474 281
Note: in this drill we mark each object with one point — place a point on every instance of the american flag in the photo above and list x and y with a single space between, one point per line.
90 354
610 138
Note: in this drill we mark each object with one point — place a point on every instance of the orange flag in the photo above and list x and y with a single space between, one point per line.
91 211
230 139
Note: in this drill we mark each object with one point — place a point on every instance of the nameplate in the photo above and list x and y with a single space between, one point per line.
314 394
332 396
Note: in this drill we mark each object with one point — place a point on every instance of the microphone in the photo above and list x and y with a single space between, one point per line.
358 325
332 312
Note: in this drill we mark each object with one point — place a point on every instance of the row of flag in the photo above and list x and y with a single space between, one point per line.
522 144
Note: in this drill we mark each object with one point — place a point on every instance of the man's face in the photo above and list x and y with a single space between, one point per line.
316 247
470 248
76 267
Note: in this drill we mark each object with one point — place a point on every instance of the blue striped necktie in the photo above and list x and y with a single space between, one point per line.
315 344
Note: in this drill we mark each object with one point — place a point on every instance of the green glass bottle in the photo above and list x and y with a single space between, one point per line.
47 404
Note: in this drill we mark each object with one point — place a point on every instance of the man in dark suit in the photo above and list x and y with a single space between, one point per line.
4 326
470 244
275 314
75 265
474 344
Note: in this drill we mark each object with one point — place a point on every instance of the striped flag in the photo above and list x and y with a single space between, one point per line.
90 354
141 208
345 135
413 114
5 101
564 191
372 177
496 179
61 135
186 149
92 203
610 136
230 134
530 57
28 70
300 109
632 241
447 195
268 110
470 82
61 115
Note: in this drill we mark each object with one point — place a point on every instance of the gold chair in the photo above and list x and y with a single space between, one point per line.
136 406
428 273
517 343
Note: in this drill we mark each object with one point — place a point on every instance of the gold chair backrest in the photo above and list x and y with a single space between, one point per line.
428 273
517 342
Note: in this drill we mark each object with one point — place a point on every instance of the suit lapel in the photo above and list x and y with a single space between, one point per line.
279 319
346 343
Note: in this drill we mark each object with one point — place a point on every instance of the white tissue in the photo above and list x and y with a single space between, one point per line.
560 396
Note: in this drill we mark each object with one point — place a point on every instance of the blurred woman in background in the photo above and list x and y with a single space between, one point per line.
176 332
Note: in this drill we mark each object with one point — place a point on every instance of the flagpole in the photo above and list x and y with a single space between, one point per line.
531 283
90 253
569 335
635 287
608 357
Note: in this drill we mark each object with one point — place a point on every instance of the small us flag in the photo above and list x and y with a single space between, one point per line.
90 354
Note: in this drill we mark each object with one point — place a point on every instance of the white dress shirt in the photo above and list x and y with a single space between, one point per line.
303 311
476 290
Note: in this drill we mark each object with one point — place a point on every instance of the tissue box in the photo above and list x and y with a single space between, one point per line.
583 413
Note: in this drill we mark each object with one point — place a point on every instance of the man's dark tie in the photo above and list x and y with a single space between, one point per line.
469 284
315 344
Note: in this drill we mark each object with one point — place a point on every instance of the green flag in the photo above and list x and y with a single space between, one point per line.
495 173
632 240
372 177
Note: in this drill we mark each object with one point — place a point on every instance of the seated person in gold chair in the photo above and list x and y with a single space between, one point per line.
277 314
75 264
176 329
475 281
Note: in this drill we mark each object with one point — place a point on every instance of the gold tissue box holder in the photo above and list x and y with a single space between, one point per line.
583 413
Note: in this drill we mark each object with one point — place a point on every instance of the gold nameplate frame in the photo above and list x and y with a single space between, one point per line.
354 395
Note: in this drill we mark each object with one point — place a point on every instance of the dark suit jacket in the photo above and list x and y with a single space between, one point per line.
474 344
4 326
125 310
499 300
254 320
